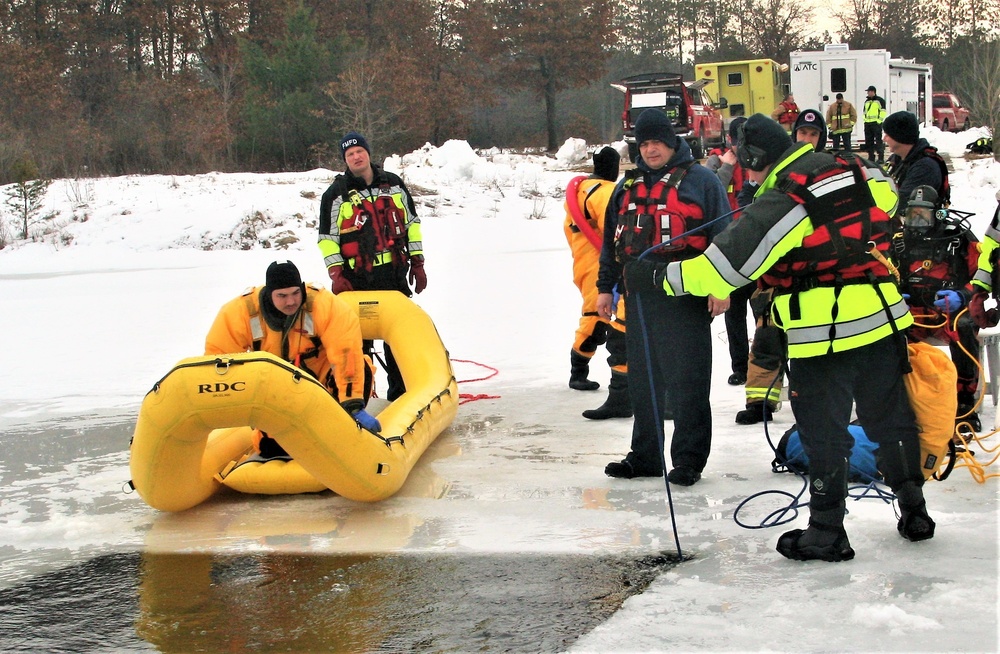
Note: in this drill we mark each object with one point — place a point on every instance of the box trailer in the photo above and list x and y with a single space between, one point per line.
750 86
817 76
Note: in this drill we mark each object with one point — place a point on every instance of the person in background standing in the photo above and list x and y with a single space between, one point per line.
874 113
912 160
370 236
733 178
841 117
786 113
591 200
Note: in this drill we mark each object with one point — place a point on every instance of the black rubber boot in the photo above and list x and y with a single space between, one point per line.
618 404
914 523
579 368
817 543
754 413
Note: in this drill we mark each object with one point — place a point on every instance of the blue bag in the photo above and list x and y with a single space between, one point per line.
792 458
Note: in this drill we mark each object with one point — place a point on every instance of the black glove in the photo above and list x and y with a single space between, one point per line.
643 275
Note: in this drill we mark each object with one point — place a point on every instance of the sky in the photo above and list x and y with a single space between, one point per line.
134 269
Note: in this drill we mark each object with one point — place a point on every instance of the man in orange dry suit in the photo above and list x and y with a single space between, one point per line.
842 314
306 326
591 197
370 235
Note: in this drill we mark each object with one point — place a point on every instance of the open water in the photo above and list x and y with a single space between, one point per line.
87 567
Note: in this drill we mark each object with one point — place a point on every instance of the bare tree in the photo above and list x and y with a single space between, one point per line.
778 27
358 102
980 86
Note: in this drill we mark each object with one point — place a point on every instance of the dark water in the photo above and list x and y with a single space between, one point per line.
306 603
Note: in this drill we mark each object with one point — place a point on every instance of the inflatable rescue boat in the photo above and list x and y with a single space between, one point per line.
196 427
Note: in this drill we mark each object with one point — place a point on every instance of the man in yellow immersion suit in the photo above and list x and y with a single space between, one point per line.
591 198
307 326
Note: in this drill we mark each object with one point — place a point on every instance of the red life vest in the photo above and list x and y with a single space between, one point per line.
845 221
653 215
789 114
376 225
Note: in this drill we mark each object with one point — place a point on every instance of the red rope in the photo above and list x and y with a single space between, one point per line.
468 397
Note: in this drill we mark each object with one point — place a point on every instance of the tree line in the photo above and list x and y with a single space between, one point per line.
98 87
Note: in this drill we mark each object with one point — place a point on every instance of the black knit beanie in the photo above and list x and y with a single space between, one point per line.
282 275
350 140
902 127
654 125
762 143
606 162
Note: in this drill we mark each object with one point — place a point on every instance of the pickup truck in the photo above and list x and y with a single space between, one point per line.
694 117
949 114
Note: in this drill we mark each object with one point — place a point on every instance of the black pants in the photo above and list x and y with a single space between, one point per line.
679 363
736 327
823 390
873 142
844 141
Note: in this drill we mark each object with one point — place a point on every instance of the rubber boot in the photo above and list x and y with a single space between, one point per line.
618 404
914 523
825 539
579 368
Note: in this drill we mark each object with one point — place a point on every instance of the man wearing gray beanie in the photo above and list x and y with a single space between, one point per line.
667 204
912 160
842 314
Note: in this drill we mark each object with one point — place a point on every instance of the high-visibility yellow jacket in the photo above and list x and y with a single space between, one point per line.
323 338
874 110
818 320
984 274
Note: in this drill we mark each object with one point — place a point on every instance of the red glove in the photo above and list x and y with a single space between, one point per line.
983 317
418 278
340 283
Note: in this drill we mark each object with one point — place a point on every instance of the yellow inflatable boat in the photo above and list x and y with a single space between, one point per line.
195 430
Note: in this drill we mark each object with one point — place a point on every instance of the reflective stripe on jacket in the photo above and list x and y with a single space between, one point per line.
827 318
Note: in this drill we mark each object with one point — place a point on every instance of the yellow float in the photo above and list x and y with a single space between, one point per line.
195 430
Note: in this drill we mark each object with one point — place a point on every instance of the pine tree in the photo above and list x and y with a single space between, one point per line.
26 194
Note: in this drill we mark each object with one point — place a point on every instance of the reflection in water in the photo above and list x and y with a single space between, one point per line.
306 603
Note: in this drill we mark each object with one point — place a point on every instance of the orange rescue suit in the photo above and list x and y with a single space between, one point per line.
592 196
324 340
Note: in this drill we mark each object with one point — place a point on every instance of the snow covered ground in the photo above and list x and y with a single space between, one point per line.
135 268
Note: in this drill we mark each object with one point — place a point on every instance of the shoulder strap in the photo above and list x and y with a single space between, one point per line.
586 211
256 324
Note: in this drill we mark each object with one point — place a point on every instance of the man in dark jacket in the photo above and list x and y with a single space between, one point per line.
913 162
665 196
370 236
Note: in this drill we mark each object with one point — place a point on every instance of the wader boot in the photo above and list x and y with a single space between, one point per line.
914 523
618 404
825 539
579 368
